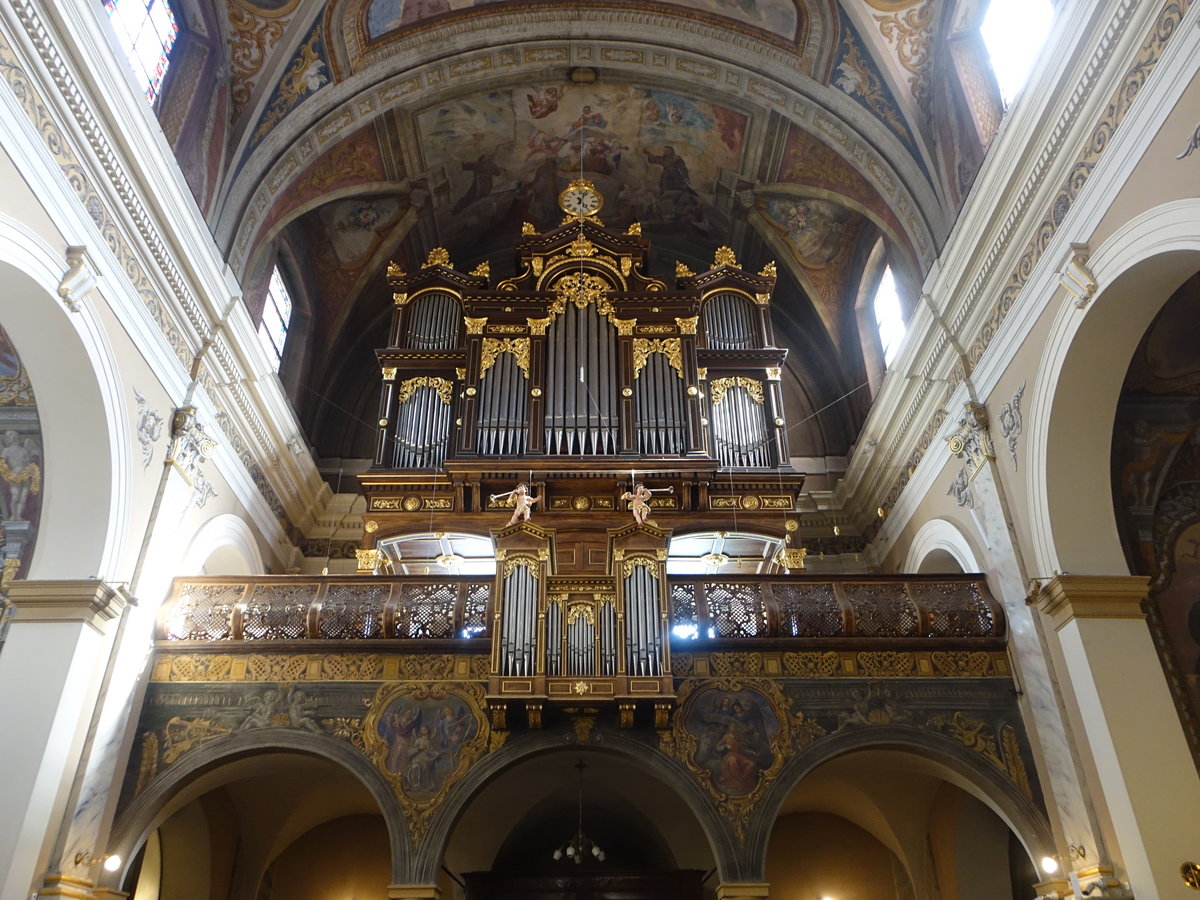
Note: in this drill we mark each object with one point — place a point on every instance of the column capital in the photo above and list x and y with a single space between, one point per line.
90 602
743 890
414 892
1068 597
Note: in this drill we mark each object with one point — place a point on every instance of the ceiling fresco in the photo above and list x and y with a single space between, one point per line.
350 132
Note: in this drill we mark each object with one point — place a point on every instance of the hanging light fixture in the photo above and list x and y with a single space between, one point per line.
580 845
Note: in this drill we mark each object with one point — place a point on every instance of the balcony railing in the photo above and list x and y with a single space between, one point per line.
296 608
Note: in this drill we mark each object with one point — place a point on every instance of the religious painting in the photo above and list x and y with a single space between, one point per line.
423 737
779 17
816 230
733 731
654 155
20 470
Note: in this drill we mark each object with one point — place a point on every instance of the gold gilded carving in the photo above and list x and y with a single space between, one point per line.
581 247
645 562
656 329
389 373
624 326
528 562
719 386
506 328
275 667
774 373
724 257
1190 873
200 668
885 663
726 664
669 347
394 270
979 736
626 265
581 289
483 270
181 735
792 558
409 386
961 663
347 729
702 373
625 711
688 325
582 724
1011 749
351 666
438 256
581 608
635 228
768 271
527 228
399 299
397 734
538 263
369 560
460 374
812 664
371 526
682 271
437 503
475 326
148 764
762 299
493 347
539 326
412 503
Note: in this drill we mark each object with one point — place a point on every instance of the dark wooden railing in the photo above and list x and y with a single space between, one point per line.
293 608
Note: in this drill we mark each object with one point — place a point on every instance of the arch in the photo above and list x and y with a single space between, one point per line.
1077 388
944 536
230 540
166 794
83 532
493 765
952 761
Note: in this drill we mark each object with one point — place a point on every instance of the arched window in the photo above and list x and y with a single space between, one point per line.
277 313
146 31
1013 32
888 316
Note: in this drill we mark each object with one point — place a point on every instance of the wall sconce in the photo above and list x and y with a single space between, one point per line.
111 861
1050 864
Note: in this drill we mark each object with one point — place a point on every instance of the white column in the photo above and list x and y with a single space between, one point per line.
1146 776
51 667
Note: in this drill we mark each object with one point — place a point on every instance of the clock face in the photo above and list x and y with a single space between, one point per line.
580 201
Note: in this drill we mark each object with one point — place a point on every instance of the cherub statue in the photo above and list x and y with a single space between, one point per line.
639 502
523 503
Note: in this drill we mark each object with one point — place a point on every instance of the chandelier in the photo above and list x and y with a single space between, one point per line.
580 845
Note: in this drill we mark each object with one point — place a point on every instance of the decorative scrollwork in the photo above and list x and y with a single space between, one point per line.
438 256
633 562
669 347
493 347
581 289
719 386
528 562
724 257
581 609
409 386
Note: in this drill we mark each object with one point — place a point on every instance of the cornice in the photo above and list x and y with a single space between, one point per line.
90 603
1068 597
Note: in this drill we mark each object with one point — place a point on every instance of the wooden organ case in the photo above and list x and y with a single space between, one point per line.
581 376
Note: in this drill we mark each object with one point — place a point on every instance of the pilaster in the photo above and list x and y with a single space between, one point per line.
1118 694
55 652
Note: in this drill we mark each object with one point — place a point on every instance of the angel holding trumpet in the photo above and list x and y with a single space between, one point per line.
639 500
523 503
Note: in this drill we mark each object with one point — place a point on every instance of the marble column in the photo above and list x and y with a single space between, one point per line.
51 667
1117 693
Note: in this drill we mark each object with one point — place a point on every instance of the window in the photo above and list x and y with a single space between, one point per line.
888 318
146 30
277 312
1013 32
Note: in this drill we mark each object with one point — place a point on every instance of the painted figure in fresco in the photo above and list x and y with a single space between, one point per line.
543 101
639 502
397 728
483 170
18 466
418 10
425 741
732 739
262 710
674 175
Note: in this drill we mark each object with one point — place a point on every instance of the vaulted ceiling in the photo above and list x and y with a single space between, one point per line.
331 137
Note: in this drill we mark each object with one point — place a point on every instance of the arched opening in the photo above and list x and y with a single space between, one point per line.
224 545
891 824
940 548
267 825
516 830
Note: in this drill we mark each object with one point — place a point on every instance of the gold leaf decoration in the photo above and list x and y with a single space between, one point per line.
409 386
724 257
885 663
812 664
669 347
719 386
438 256
493 347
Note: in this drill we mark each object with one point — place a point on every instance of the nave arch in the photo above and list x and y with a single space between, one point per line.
224 545
1077 388
86 516
939 546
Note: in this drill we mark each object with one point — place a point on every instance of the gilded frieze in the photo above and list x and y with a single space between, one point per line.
668 347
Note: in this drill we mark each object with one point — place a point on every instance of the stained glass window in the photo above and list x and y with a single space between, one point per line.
277 312
888 316
146 31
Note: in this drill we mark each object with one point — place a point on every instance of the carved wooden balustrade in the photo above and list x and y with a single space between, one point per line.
877 610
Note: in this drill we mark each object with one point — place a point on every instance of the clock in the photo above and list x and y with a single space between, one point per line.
580 199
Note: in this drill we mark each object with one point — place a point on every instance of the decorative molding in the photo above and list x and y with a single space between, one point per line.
148 428
1011 422
79 278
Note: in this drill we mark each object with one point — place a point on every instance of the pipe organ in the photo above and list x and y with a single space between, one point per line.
581 375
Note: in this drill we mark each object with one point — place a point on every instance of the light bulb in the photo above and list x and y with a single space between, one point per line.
595 850
571 850
1049 865
600 856
112 863
558 854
